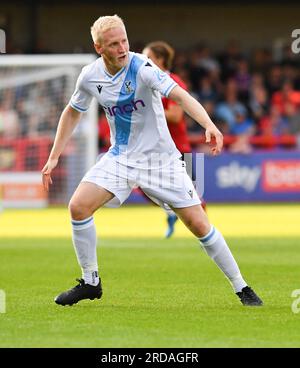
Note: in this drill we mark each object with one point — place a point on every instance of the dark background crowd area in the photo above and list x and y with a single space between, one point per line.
245 95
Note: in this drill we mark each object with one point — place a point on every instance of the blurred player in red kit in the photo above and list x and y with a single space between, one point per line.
162 54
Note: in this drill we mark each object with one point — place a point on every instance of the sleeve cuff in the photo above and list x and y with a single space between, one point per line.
169 89
76 107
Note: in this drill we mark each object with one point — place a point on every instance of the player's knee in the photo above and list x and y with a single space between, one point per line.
198 226
78 210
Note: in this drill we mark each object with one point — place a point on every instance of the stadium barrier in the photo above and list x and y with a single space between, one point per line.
20 171
264 175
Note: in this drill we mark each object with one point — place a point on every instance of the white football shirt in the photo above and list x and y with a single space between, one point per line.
132 103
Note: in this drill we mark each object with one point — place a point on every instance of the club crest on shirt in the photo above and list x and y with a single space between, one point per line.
128 87
160 74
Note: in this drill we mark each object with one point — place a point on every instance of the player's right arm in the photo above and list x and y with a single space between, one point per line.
79 102
67 122
174 113
194 109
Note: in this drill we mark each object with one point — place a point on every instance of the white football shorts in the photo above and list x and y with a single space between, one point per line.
168 185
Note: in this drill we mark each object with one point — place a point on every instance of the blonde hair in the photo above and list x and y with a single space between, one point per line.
103 24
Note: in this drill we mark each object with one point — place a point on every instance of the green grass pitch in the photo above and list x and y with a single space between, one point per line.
157 292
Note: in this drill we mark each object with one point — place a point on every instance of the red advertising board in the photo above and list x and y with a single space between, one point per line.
281 175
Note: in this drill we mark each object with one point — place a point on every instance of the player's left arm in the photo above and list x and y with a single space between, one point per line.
196 111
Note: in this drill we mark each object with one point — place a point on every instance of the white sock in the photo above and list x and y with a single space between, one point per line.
85 243
217 248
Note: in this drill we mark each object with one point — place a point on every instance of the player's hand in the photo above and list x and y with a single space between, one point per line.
46 173
213 132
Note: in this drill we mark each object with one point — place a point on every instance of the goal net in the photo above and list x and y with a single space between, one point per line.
33 92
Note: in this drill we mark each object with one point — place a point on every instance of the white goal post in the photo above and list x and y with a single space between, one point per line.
34 89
